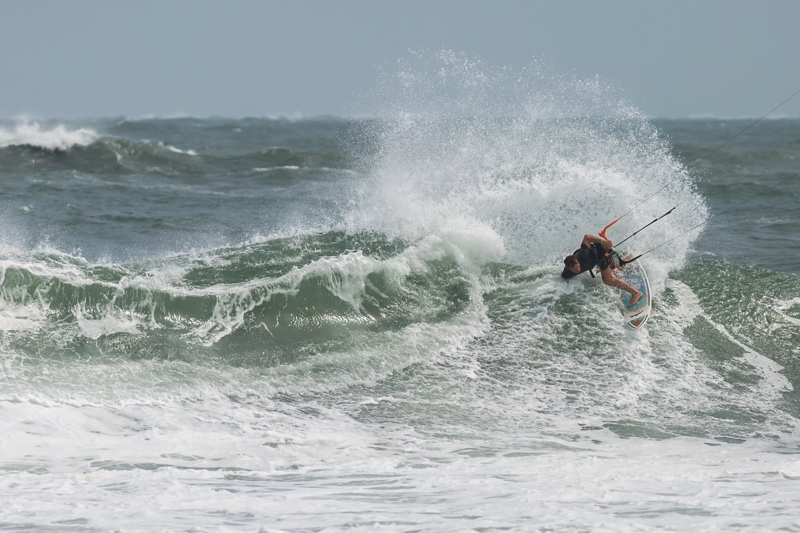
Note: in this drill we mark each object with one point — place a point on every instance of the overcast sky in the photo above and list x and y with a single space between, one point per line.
676 58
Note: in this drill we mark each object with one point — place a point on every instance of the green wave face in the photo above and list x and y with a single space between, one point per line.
278 303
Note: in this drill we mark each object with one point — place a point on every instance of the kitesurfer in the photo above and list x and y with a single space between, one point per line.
598 252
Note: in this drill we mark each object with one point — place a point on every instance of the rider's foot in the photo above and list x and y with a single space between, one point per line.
635 298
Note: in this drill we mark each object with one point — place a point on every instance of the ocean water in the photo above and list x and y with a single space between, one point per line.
340 324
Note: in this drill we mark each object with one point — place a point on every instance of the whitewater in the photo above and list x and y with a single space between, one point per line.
358 324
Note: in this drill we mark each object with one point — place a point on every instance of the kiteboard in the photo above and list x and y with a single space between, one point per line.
634 275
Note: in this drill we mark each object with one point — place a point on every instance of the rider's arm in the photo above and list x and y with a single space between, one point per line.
591 239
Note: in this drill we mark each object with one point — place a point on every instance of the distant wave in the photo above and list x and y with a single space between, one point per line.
59 147
58 137
713 117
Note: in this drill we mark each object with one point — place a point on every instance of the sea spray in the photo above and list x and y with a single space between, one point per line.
537 157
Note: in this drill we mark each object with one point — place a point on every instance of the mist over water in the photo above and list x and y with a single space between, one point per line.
360 325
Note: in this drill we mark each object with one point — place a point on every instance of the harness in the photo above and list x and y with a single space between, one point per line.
603 258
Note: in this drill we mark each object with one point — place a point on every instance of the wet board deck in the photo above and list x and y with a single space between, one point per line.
635 276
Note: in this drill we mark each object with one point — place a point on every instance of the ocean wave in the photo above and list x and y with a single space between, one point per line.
298 303
92 153
57 137
277 299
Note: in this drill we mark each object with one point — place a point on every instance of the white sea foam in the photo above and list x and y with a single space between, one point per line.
789 310
218 465
58 137
284 167
15 317
178 150
94 328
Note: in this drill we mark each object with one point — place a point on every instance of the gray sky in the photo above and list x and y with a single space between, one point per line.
676 58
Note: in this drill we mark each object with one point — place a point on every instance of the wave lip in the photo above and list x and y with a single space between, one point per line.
58 137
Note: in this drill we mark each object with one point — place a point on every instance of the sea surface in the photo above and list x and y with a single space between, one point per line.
358 324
